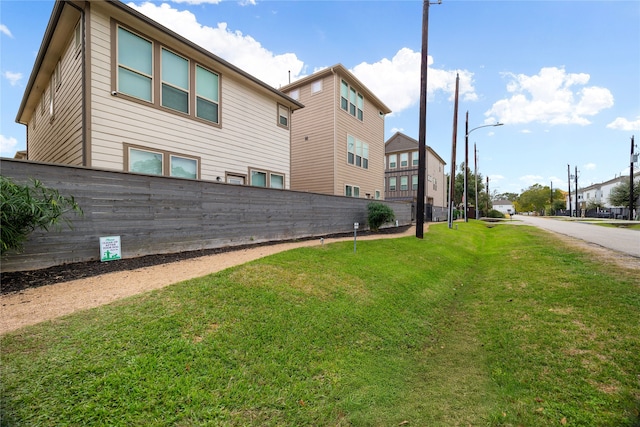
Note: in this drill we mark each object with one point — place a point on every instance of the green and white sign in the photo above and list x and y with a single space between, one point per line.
110 248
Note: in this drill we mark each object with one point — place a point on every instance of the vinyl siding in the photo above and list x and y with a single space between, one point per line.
248 136
371 131
59 140
312 164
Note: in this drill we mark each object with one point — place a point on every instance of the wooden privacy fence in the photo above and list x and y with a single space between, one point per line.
157 215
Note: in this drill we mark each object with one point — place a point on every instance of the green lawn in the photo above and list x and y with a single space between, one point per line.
489 324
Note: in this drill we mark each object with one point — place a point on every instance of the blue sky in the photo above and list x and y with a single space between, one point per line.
563 76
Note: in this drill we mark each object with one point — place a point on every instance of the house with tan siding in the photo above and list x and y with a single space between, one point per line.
113 89
337 139
401 176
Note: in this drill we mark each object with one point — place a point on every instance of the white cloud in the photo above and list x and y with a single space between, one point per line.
404 71
552 96
249 55
530 180
4 30
525 131
394 130
589 166
196 2
8 146
14 78
621 123
241 50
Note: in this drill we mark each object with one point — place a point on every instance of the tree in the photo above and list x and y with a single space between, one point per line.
471 187
25 208
378 214
512 197
619 195
534 199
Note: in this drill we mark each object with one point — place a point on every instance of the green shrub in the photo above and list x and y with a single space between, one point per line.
495 214
378 214
25 208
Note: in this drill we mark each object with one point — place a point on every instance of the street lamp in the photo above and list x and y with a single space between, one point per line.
466 164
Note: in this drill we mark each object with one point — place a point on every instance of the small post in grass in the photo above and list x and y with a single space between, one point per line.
356 225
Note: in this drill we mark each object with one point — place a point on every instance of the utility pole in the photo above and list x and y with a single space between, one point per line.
576 188
475 176
631 199
452 179
569 179
422 133
487 195
466 165
551 199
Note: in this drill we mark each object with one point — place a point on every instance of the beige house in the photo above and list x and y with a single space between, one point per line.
113 89
401 176
337 140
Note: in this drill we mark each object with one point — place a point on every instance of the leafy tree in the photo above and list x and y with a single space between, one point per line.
512 197
619 195
471 188
25 208
534 199
378 214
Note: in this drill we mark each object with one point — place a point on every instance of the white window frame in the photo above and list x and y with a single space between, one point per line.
164 82
404 183
393 161
404 160
393 183
316 86
415 158
271 175
284 114
132 70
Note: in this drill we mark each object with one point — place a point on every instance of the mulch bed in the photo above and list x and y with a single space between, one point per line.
20 280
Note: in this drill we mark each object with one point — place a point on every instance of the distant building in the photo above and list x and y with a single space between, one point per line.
504 206
401 176
337 139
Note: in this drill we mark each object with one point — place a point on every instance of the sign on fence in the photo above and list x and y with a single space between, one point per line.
110 248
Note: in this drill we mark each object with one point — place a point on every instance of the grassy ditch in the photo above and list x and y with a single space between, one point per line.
475 326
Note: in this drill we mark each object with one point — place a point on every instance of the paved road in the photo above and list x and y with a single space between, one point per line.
618 239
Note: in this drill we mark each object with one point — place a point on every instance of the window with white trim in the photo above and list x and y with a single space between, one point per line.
351 191
183 167
295 94
404 183
235 179
377 196
52 111
414 182
351 100
135 65
415 160
283 116
404 160
392 183
357 152
207 94
393 161
316 86
276 180
258 178
175 81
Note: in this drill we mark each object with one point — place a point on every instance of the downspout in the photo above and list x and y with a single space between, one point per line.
85 157
335 133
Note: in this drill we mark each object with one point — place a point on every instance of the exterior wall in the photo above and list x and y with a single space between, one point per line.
371 131
248 137
435 185
57 138
154 215
312 139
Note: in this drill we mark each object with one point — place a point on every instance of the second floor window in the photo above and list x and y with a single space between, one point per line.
404 160
392 183
357 152
175 82
393 161
414 158
404 183
135 65
207 88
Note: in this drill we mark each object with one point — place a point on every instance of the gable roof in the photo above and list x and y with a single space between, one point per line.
353 81
65 14
400 142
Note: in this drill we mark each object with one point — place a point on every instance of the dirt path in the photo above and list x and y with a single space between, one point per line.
40 304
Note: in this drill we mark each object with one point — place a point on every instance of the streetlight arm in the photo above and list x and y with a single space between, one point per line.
484 126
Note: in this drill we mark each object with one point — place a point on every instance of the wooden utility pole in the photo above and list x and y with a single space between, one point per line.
631 199
422 133
452 178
